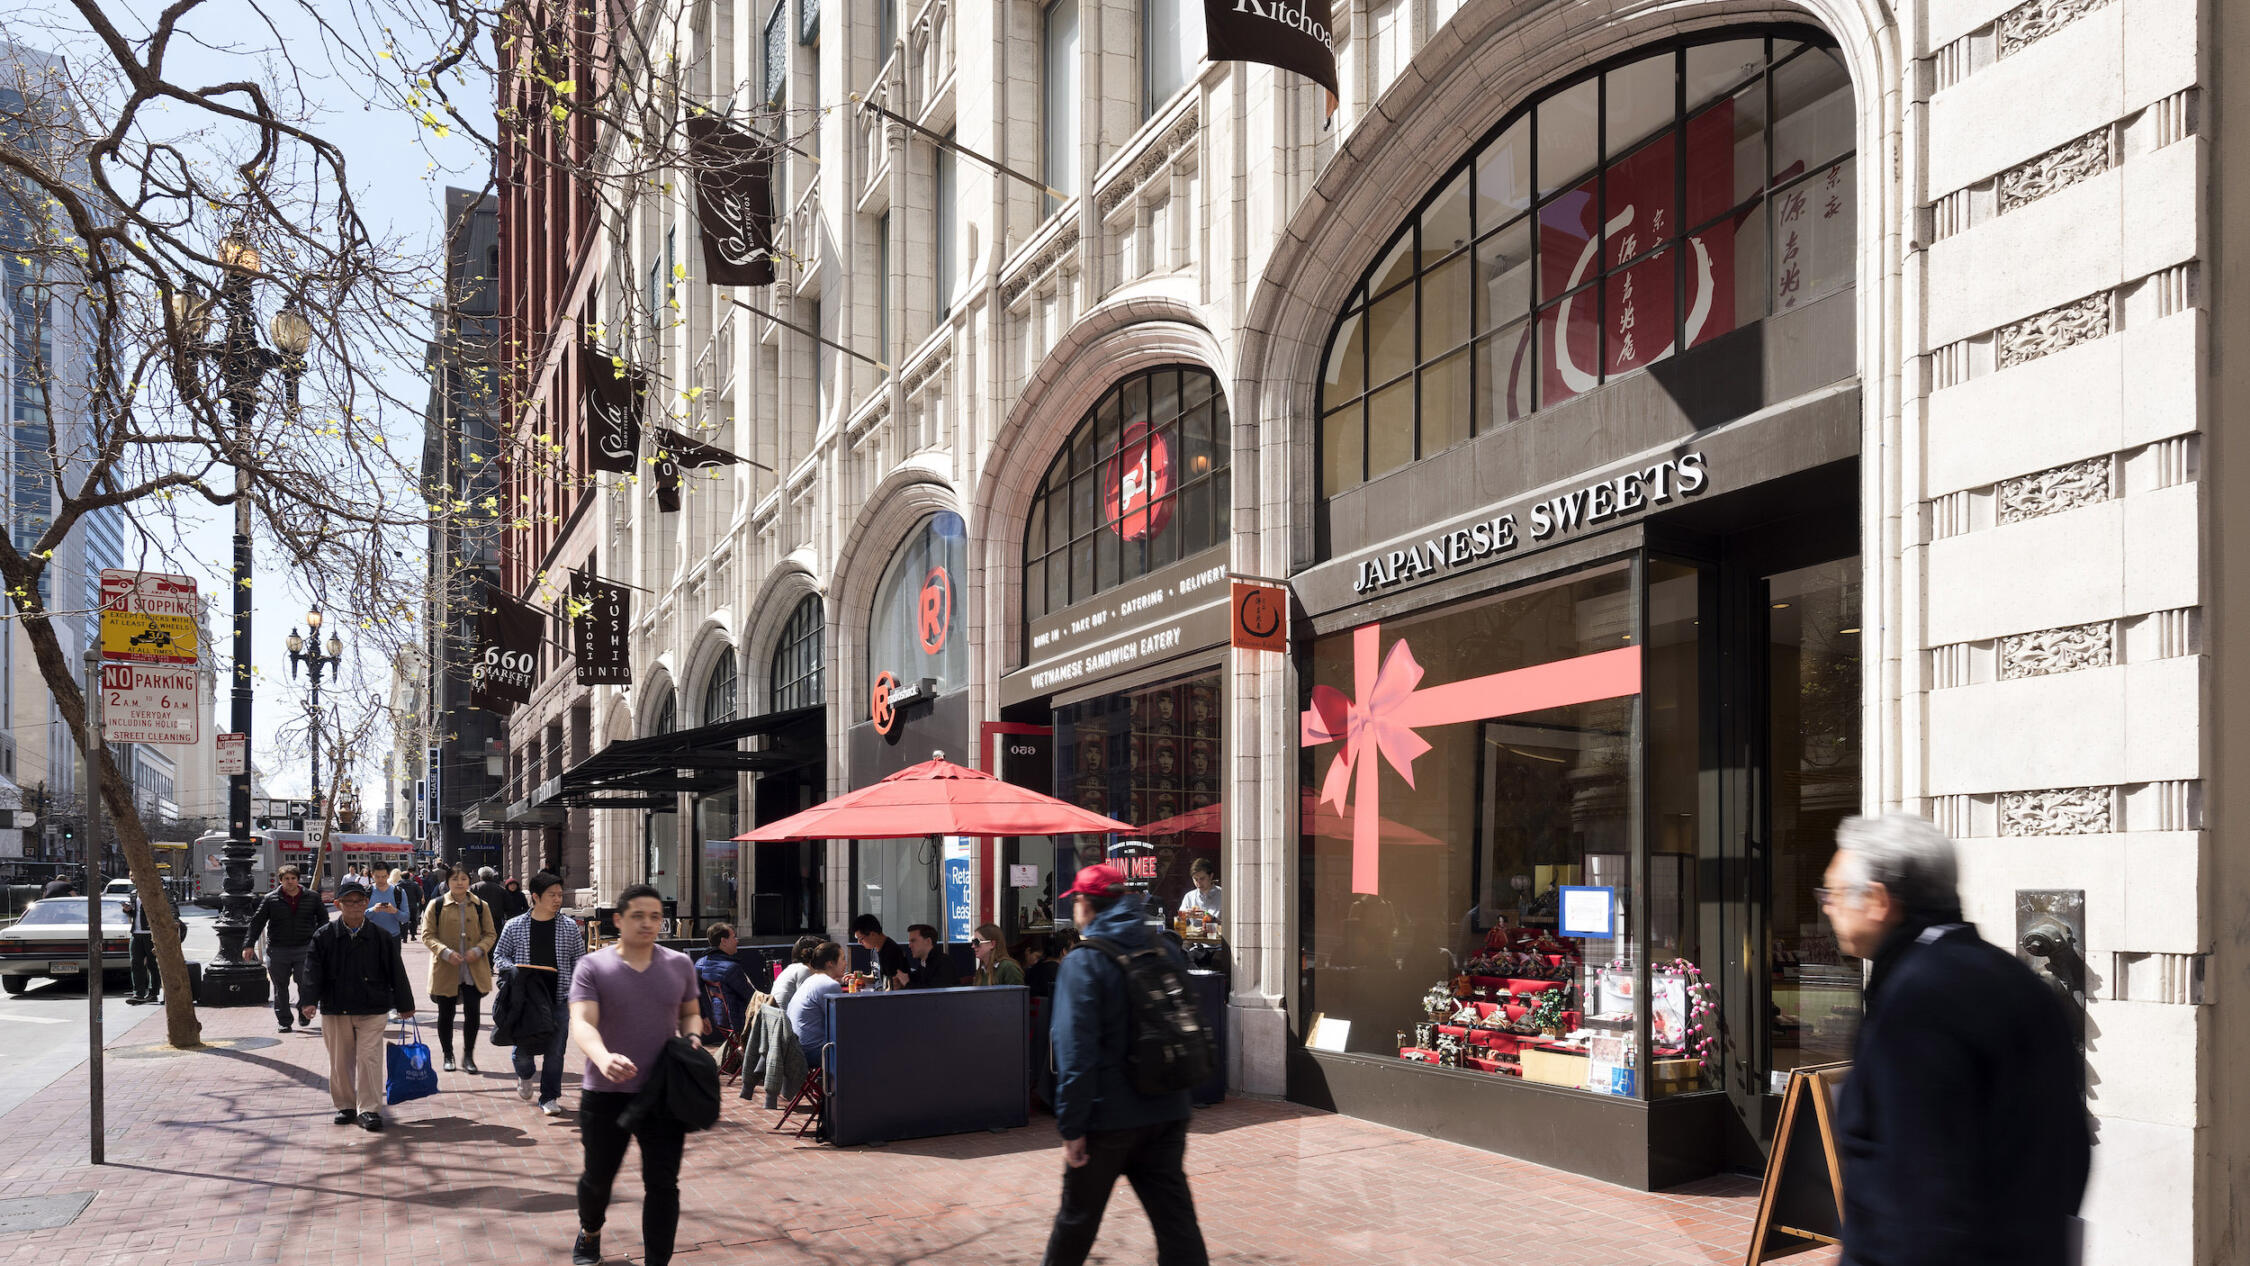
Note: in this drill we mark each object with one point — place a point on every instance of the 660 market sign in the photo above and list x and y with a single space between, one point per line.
1584 507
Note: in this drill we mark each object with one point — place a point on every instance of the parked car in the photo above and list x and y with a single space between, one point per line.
118 888
49 942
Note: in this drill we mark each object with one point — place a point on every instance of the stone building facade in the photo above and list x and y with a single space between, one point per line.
1943 375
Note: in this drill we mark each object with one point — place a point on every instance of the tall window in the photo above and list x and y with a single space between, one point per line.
719 690
1061 167
1171 47
1602 227
667 714
795 678
777 54
883 286
822 358
948 192
914 630
1141 484
889 30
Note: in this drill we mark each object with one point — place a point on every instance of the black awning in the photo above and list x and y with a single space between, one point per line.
647 773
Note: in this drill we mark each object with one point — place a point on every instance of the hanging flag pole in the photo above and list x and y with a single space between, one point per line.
949 144
814 335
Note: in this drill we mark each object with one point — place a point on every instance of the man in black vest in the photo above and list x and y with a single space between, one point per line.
1962 1127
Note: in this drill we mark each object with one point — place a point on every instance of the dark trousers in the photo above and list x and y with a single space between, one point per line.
467 1001
661 1145
1153 1159
283 966
146 980
550 1077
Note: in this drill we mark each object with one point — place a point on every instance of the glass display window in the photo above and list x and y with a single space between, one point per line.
914 631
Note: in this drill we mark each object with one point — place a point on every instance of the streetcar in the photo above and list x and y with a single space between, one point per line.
347 852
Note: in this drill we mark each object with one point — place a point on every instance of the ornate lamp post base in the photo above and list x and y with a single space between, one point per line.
228 981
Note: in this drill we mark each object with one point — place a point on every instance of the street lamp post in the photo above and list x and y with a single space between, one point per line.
313 661
242 364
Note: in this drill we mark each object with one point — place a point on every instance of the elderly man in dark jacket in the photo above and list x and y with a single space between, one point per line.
358 978
1108 1127
1963 1129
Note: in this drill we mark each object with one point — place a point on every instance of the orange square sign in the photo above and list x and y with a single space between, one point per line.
1261 617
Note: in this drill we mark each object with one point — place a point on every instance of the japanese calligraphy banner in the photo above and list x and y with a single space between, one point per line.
602 610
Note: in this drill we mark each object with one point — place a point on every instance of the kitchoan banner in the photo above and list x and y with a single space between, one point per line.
733 202
604 609
1290 34
614 391
506 662
673 451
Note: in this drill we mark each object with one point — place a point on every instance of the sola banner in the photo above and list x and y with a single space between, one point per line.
505 659
598 630
673 451
734 202
1290 34
1393 704
614 390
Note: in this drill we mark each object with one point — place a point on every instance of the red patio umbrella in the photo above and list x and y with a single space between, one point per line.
936 797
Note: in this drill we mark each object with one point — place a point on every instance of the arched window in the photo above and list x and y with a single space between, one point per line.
667 714
794 681
914 629
1605 225
719 689
1140 484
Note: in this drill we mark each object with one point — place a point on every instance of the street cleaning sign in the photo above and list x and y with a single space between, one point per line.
149 618
142 703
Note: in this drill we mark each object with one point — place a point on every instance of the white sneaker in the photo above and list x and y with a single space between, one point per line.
525 1088
552 1107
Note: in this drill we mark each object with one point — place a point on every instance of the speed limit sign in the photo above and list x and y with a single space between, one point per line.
146 703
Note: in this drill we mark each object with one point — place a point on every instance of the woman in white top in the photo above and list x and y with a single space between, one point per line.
800 966
1204 897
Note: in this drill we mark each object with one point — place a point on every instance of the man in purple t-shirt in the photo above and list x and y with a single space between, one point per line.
626 1002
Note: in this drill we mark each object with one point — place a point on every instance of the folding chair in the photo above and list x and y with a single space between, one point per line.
812 1097
732 1037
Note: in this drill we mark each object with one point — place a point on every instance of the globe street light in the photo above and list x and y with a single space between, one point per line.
313 661
241 364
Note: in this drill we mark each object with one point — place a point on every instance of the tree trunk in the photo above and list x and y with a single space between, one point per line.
181 1028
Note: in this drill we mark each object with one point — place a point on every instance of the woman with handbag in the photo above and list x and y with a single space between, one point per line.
459 931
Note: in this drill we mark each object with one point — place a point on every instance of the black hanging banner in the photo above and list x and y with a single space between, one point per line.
673 451
597 631
505 659
1290 34
734 202
614 391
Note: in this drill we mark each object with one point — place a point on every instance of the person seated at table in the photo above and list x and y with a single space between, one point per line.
719 967
800 966
933 966
808 1011
1042 956
1204 897
994 966
890 960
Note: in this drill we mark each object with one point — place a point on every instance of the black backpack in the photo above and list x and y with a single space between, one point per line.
1167 1047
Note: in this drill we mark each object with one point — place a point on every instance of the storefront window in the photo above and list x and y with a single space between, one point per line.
1603 226
719 867
719 689
913 632
1141 484
1469 868
1150 756
667 714
795 678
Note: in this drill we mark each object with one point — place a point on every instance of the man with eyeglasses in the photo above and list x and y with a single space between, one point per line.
1962 1126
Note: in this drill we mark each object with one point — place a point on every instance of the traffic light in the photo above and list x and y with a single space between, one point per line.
69 833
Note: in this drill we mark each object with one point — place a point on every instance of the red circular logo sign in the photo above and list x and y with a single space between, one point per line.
1135 483
936 615
880 712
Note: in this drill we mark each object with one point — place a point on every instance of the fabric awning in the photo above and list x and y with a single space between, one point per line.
651 772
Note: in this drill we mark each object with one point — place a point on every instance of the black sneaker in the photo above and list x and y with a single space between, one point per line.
345 1116
449 1063
371 1122
587 1249
285 1028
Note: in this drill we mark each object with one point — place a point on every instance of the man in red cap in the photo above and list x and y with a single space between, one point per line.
1109 1128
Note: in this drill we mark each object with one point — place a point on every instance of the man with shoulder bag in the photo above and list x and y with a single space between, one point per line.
1128 1046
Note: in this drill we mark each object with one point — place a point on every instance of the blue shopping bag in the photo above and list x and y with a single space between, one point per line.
406 1067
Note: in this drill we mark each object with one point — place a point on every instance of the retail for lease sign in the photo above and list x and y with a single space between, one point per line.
148 617
143 703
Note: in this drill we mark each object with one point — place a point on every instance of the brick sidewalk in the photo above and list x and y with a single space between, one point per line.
228 1156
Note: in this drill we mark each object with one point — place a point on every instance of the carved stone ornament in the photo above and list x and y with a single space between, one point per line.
2060 811
2058 650
2028 23
2052 491
2058 168
1167 150
2053 330
1065 241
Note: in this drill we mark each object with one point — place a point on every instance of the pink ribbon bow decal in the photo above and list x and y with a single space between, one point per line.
1392 707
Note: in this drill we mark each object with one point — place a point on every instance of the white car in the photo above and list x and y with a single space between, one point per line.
49 942
117 888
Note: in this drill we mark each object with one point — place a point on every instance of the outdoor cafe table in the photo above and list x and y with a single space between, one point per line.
910 1063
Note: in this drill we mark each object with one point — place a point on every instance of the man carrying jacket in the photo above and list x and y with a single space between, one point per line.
357 979
288 916
1961 1128
548 948
1109 1128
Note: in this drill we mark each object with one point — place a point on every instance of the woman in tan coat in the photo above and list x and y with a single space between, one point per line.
458 929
